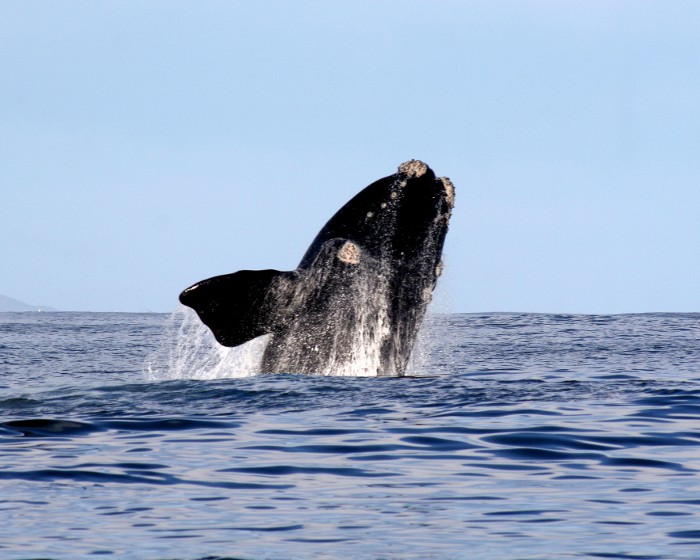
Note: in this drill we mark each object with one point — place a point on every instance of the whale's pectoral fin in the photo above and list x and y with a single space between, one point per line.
241 306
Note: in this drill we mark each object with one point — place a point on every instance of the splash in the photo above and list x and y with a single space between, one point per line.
343 287
189 351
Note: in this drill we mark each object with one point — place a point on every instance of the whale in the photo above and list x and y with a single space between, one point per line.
356 301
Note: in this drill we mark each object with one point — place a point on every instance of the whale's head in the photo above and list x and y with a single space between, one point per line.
399 219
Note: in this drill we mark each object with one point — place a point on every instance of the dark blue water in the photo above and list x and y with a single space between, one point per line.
521 436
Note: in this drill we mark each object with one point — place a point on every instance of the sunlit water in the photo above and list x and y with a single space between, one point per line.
519 436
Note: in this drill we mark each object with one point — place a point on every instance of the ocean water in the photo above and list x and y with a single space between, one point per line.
518 436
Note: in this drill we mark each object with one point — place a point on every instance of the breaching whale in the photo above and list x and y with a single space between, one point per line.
358 297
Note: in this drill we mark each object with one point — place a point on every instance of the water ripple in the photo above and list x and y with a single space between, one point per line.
520 436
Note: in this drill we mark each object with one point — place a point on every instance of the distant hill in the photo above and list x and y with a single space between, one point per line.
10 304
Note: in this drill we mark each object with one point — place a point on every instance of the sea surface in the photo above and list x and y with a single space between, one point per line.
518 436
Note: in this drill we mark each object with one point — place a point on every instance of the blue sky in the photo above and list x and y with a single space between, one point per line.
147 145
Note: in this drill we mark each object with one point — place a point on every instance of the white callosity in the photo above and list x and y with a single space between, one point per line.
449 189
349 253
413 168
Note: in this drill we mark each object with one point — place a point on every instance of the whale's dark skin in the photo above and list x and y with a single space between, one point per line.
360 292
